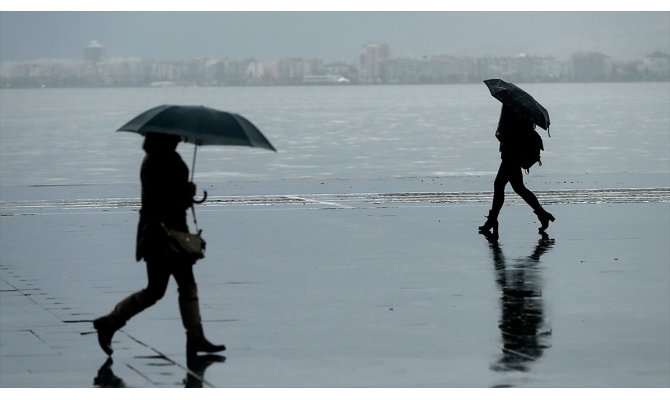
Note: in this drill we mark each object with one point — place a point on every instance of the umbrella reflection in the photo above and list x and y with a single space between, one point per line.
524 336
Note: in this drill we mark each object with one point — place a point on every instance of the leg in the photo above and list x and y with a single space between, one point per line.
516 179
189 308
499 188
498 200
132 305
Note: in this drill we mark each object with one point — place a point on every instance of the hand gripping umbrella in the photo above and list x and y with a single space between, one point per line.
199 125
511 95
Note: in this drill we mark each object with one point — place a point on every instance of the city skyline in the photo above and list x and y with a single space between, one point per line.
375 66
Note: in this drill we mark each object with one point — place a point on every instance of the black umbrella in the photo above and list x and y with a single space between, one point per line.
511 95
199 125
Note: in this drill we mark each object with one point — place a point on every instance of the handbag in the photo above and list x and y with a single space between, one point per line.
185 244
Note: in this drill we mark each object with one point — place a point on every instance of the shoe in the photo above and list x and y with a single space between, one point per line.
490 224
197 342
106 328
544 218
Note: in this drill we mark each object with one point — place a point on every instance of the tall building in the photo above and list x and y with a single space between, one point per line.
589 67
93 52
372 62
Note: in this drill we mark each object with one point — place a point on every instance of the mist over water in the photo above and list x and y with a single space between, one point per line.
332 36
68 136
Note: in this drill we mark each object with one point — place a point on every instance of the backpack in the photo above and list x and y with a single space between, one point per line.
530 150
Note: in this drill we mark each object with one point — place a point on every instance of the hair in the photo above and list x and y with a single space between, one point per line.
511 121
158 142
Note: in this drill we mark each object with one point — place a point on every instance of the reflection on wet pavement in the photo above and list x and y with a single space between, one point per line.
106 377
195 376
524 335
195 373
393 289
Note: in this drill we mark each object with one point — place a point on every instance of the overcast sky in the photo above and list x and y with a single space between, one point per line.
332 36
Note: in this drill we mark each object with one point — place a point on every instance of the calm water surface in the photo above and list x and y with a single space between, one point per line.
68 136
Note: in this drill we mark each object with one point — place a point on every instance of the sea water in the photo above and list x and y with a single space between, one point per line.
68 136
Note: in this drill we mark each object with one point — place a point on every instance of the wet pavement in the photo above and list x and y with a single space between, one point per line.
349 283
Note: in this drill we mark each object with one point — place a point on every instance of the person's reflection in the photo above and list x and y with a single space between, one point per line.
195 375
106 377
521 325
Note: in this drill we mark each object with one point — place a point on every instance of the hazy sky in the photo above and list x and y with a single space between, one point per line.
332 36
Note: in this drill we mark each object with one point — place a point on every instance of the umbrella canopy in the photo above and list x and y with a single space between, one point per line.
199 125
511 95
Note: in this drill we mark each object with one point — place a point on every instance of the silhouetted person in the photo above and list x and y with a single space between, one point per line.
166 195
513 130
522 317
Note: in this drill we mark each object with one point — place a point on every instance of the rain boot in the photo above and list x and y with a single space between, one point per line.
196 342
490 224
544 218
122 312
190 316
106 327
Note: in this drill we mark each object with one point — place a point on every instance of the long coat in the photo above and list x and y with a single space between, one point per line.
166 195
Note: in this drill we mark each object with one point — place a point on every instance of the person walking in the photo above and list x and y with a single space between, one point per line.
513 130
166 195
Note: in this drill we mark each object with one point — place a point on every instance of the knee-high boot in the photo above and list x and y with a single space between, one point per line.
122 312
196 341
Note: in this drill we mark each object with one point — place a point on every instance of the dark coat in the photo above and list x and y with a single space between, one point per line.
166 195
513 133
511 145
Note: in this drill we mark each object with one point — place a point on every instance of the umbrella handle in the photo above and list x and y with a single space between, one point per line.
204 197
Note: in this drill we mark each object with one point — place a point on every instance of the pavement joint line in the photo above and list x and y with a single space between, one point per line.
138 372
30 297
165 357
